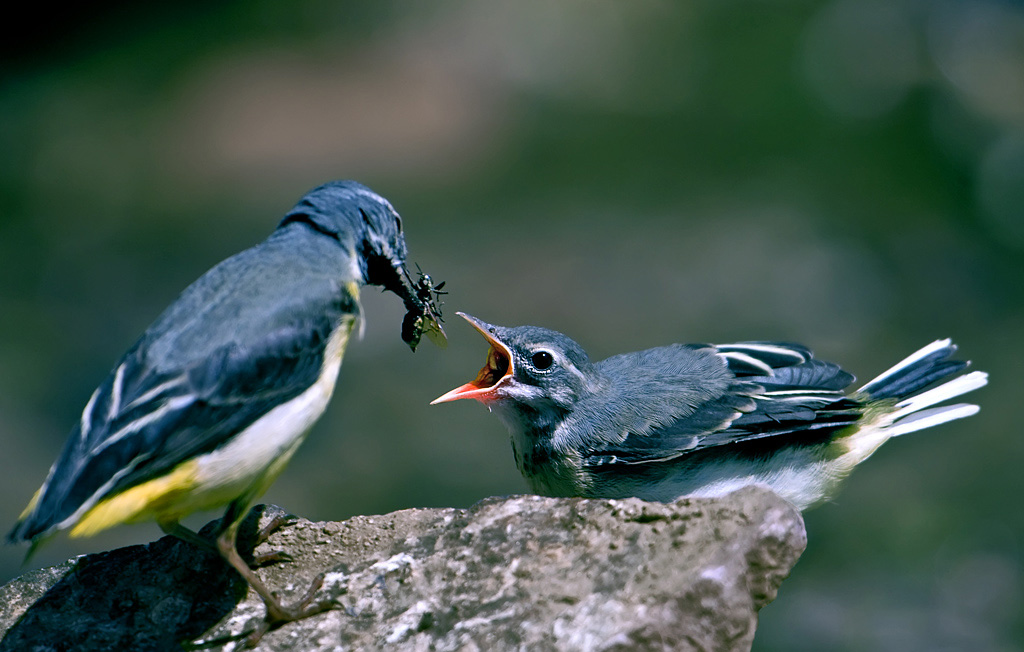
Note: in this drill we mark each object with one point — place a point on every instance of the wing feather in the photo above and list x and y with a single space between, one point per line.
778 390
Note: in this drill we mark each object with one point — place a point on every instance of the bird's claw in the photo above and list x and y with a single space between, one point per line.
263 535
273 525
278 614
269 558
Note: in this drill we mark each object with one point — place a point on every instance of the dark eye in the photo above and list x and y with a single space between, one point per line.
542 360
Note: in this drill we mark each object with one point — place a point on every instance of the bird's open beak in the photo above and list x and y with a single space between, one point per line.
497 370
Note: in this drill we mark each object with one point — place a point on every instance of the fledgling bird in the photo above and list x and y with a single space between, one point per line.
207 407
700 419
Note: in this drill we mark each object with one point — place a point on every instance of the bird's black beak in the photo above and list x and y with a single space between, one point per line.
495 372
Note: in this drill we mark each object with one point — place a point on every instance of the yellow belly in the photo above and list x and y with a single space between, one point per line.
162 498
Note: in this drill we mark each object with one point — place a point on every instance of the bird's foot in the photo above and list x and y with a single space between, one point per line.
278 614
274 556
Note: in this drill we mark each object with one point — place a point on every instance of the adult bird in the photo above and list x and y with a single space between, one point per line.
207 407
700 419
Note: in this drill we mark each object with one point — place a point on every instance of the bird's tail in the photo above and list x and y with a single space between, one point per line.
908 383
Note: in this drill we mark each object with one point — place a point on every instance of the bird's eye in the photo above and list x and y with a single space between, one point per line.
542 360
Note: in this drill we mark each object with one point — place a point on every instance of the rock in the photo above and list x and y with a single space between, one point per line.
525 572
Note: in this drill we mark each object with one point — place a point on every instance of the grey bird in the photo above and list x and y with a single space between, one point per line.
701 419
208 406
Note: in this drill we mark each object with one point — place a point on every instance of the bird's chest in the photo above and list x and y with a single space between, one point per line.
547 470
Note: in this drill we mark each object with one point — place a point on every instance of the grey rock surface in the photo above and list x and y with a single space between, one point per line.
519 573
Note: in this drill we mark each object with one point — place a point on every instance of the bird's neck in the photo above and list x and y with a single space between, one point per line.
533 433
530 423
349 242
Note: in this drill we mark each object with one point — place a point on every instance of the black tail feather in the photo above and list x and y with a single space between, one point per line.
908 378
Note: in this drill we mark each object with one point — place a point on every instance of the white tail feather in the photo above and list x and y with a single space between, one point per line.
956 387
906 362
932 417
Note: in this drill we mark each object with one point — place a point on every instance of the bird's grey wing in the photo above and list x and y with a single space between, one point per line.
776 390
143 420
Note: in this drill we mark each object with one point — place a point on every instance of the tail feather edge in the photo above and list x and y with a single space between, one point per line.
910 383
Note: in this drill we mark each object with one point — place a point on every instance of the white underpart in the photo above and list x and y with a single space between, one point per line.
250 462
797 475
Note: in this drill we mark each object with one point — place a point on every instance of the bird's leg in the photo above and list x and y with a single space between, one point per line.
185 534
178 530
277 613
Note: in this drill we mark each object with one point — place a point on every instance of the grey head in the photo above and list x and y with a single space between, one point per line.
368 229
529 369
361 221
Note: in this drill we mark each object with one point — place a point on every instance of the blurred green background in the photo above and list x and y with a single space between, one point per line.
848 174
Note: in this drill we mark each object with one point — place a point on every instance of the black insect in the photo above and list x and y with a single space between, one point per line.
424 312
